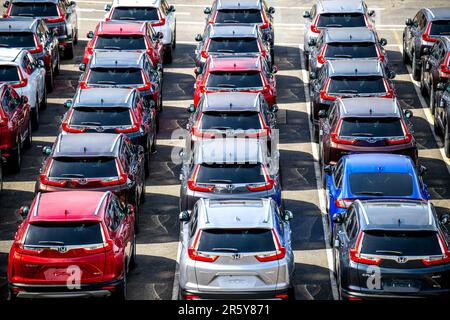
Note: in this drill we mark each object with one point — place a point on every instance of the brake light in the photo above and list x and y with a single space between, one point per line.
323 93
355 253
401 140
23 82
133 128
282 296
343 203
195 255
3 118
108 245
267 185
67 128
20 248
265 24
147 84
444 259
213 18
191 297
83 83
199 187
279 253
321 56
314 25
426 35
121 179
39 46
60 17
161 22
342 140
49 181
389 91
445 67
380 55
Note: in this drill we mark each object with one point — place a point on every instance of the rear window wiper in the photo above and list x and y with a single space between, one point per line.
4 45
225 249
226 85
111 48
25 14
106 82
343 56
334 25
127 18
220 181
225 51
91 123
72 175
230 21
348 91
370 193
59 243
362 134
397 253
219 128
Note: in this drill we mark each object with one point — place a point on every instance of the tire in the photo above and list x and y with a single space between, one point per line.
11 295
35 117
432 99
75 38
423 88
447 141
50 80
436 127
121 293
168 55
306 61
133 255
43 104
69 52
174 42
28 142
16 158
58 65
406 59
415 68
160 102
330 232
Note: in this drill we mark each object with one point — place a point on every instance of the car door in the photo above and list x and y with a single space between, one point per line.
417 32
125 232
17 108
14 115
346 234
34 78
326 126
334 185
71 14
283 229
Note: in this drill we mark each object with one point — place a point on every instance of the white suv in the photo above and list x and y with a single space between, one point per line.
27 76
159 13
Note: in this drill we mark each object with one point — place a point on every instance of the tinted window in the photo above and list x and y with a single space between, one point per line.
327 20
223 240
371 127
351 50
231 120
139 14
17 40
101 117
234 80
440 28
239 16
9 74
418 243
354 85
83 168
64 234
34 9
233 45
120 43
230 173
383 184
120 76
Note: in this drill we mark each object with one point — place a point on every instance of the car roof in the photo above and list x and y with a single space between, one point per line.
234 63
120 27
234 30
15 24
405 215
87 145
359 163
358 34
235 214
337 6
34 1
239 5
439 13
119 59
137 3
103 97
9 54
231 101
230 150
369 107
355 67
67 206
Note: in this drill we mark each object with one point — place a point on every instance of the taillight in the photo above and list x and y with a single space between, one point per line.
108 245
445 67
355 253
444 259
161 22
279 253
3 118
380 55
20 248
343 203
193 185
335 138
314 25
60 17
43 177
265 24
213 18
389 91
66 126
22 82
426 35
121 179
267 185
147 84
401 140
321 56
39 46
83 83
195 255
323 93
133 128
199 133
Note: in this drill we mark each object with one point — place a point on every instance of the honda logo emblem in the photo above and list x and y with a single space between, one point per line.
236 256
62 249
402 259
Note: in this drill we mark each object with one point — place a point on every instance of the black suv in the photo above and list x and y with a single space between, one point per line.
391 249
435 68
422 32
442 114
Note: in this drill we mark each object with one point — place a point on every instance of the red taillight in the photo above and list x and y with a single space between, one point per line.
314 25
355 253
193 185
121 179
161 22
380 55
335 138
343 203
60 17
108 245
204 54
321 56
444 259
133 128
265 24
426 35
191 297
213 18
389 91
22 82
3 118
48 181
66 126
323 93
445 67
39 46
195 255
282 296
279 253
147 84
401 140
267 185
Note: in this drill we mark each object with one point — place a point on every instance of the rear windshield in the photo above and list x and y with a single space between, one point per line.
371 127
230 173
355 85
417 243
388 184
223 240
120 43
351 50
119 76
239 16
63 234
246 120
100 117
34 9
70 168
9 74
330 20
227 45
247 79
135 13
440 28
17 40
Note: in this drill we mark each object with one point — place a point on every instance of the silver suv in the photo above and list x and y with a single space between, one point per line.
236 249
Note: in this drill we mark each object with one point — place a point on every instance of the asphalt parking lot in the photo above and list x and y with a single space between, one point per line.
155 276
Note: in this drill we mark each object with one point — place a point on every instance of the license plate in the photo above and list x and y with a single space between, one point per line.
402 286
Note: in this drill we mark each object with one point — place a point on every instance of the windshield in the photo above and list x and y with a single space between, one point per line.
98 167
440 28
135 13
233 45
246 120
230 173
351 50
104 117
34 9
388 184
231 80
357 85
239 16
119 76
120 42
371 127
332 20
226 240
17 40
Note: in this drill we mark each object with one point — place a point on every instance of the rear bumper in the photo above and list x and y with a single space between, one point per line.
238 295
435 294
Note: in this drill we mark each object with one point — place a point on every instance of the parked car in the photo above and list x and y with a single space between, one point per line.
422 32
2 164
27 76
124 69
85 233
441 114
236 249
113 111
33 35
435 68
231 39
232 168
391 249
125 36
332 14
232 114
15 126
346 44
236 73
347 79
372 176
159 13
60 15
95 162
365 125
244 11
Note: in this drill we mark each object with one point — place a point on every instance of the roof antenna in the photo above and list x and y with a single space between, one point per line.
66 212
351 37
356 70
233 32
399 222
370 111
231 105
84 149
120 29
101 101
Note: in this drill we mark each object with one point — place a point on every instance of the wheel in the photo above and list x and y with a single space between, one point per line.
160 102
306 61
68 52
174 42
35 116
147 164
16 157
432 100
447 141
121 293
133 255
58 65
43 104
406 59
436 127
11 295
50 80
415 68
29 139
75 38
423 88
168 54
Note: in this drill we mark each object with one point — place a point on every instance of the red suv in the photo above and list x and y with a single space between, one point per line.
15 126
72 244
236 74
130 36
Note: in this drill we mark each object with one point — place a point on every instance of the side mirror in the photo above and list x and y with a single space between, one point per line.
271 10
68 104
306 14
54 32
6 4
107 7
328 169
288 216
422 170
338 219
274 69
46 151
445 219
90 34
383 42
337 243
191 109
40 64
207 10
130 209
426 51
312 42
24 99
408 114
160 35
409 22
313 75
440 86
198 38
72 3
274 108
391 74
371 13
185 216
152 104
322 114
198 70
23 212
82 67
172 9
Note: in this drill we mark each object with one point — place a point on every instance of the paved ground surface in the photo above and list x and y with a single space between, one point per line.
158 239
